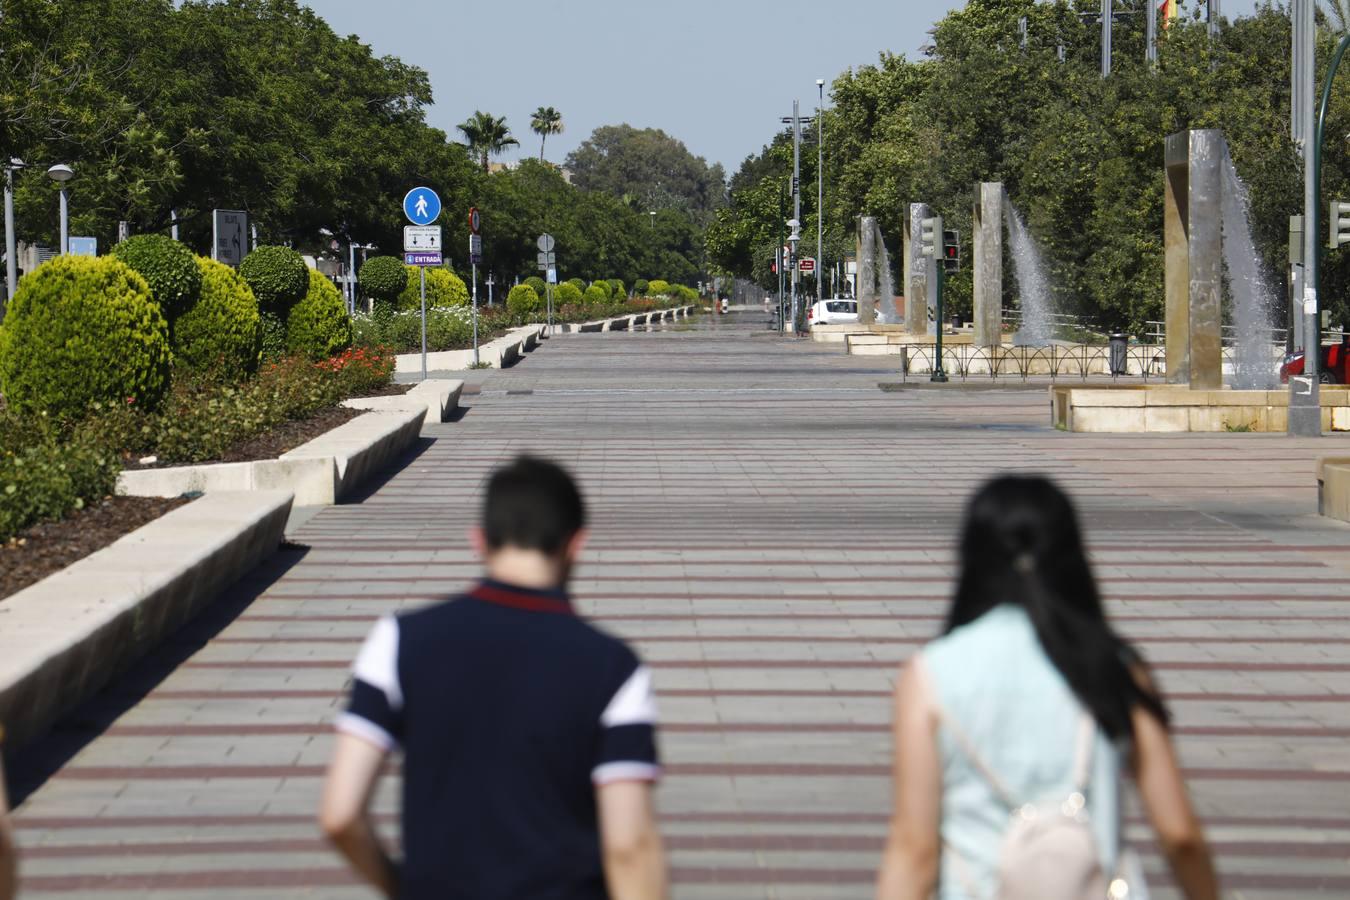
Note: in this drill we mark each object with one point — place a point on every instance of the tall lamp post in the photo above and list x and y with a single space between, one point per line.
820 187
61 173
11 240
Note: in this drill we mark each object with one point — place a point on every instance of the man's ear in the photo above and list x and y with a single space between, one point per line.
575 544
478 541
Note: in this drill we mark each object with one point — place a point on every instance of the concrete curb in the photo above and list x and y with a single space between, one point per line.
64 638
499 353
440 398
318 473
623 323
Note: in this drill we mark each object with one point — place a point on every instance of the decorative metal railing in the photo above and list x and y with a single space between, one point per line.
1082 361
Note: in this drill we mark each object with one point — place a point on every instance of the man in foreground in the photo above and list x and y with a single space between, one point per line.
528 736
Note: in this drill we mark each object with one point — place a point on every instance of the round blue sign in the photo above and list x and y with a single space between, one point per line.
422 206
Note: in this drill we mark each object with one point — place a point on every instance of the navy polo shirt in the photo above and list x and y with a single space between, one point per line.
510 710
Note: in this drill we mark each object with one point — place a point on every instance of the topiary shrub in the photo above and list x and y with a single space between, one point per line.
685 293
617 290
567 293
578 283
657 288
537 283
221 334
604 287
82 330
594 296
444 288
641 287
318 326
383 278
523 301
167 266
278 277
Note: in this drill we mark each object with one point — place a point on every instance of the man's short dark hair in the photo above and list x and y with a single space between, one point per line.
532 504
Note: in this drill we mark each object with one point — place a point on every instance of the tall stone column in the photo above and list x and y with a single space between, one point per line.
867 270
1193 257
987 237
917 295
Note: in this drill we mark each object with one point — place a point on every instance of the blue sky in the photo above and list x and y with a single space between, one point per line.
716 74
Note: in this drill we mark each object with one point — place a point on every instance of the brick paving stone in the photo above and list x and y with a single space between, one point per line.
776 534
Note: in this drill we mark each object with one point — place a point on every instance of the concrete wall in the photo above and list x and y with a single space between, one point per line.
1173 409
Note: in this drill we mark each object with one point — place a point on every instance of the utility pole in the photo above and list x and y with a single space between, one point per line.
796 205
781 260
1212 14
820 188
1107 21
1151 32
1305 405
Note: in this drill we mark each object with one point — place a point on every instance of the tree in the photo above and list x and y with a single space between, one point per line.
649 169
487 135
545 121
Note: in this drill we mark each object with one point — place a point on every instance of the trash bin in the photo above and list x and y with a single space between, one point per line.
1120 350
957 322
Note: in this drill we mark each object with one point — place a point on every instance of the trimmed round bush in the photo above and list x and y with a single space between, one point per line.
579 283
167 266
685 293
220 334
318 326
383 278
604 287
83 330
594 296
537 283
278 277
617 289
566 293
657 288
444 288
641 287
523 301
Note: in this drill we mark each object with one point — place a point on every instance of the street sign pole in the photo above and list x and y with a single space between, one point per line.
422 276
475 315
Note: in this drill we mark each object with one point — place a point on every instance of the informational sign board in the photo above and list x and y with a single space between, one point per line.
229 236
546 260
475 249
426 258
421 238
422 206
83 246
552 276
806 264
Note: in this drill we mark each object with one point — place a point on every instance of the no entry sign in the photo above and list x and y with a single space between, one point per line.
806 264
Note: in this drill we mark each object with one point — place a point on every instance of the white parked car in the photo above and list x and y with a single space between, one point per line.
835 311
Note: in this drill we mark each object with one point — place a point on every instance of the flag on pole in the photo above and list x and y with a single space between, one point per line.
1167 10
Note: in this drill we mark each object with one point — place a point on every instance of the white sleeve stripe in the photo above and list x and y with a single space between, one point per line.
366 730
633 703
377 663
612 772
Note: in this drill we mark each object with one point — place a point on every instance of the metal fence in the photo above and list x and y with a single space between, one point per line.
1142 362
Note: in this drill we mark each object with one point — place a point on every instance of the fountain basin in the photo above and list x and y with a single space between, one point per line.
1142 409
837 334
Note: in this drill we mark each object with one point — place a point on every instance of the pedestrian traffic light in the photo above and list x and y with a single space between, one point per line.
930 234
951 250
1340 225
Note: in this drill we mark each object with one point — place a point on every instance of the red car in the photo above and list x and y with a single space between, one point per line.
1335 368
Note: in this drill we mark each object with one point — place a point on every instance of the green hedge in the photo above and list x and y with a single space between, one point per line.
523 301
81 330
617 289
168 267
221 334
278 277
383 278
44 477
640 287
318 326
595 296
657 288
537 283
578 283
444 288
566 293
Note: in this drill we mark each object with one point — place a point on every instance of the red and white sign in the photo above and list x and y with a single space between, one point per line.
806 264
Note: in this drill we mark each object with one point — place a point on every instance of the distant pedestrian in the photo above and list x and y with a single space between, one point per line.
528 736
1011 729
9 866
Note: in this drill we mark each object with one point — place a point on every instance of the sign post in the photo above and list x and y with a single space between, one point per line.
228 228
549 263
475 257
422 207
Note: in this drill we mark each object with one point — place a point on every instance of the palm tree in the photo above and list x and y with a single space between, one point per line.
487 135
545 121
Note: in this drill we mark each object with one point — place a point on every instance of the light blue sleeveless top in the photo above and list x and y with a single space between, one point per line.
993 678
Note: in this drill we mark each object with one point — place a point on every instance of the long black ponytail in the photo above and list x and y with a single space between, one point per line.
1022 544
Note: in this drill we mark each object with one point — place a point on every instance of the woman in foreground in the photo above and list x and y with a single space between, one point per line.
1012 728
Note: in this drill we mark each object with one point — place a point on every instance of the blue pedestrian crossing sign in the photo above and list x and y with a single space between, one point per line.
422 206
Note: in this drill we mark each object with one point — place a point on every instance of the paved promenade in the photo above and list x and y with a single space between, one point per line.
776 534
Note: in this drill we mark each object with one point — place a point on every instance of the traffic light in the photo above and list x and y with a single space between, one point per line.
930 231
1340 225
951 251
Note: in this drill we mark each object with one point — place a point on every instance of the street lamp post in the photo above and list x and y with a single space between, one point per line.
11 240
796 209
820 187
61 173
794 237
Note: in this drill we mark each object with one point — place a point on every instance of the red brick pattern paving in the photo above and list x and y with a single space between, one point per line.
776 535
